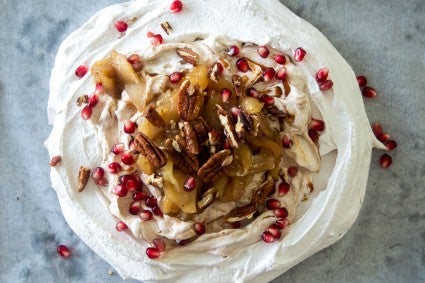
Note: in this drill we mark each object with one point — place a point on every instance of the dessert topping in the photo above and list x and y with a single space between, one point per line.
83 178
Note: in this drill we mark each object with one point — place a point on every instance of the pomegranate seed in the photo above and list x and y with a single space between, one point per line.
235 111
225 94
280 59
139 195
269 74
129 126
55 160
189 184
362 81
283 188
377 129
293 171
236 224
157 211
286 142
267 237
252 92
102 182
81 70
369 92
233 50
93 100
267 99
86 112
317 125
151 201
176 6
384 137
98 173
135 207
386 160
121 26
127 158
299 54
121 226
391 144
131 182
326 85
153 253
281 73
280 212
133 58
263 51
282 223
114 167
118 148
160 244
120 191
156 39
242 65
63 251
273 203
175 77
99 89
322 74
314 135
150 34
146 215
199 228
218 66
137 66
274 231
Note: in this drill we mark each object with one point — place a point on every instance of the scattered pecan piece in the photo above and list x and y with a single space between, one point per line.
275 111
166 27
192 146
189 102
201 128
207 198
188 55
214 137
147 148
55 160
83 178
154 118
84 99
263 191
229 128
209 171
189 164
215 71
241 213
238 85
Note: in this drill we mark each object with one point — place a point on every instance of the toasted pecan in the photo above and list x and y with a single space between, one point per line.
154 118
192 146
189 101
83 178
188 55
147 148
209 171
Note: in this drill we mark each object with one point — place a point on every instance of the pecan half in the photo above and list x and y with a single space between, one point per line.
188 55
263 191
148 149
189 164
229 128
84 99
238 85
241 213
166 27
207 198
83 178
192 146
209 171
154 118
201 128
189 102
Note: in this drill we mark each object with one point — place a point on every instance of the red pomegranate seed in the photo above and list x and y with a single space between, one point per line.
63 251
139 196
384 137
135 207
362 81
282 223
236 224
274 230
326 85
102 182
280 59
233 50
81 70
114 167
252 92
176 6
283 188
269 74
99 89
286 142
386 160
299 54
98 173
129 126
199 228
273 203
127 158
267 237
156 39
267 99
93 100
263 51
133 58
175 77
157 211
235 111
225 94
151 252
121 26
121 226
118 148
120 191
150 34
189 184
369 92
131 182
293 171
314 135
377 129
391 144
242 65
86 112
280 212
55 160
146 215
322 74
281 73
160 244
317 125
151 201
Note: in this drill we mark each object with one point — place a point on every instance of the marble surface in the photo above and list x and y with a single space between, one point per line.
384 40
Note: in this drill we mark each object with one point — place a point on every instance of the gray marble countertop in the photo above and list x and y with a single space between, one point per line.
385 40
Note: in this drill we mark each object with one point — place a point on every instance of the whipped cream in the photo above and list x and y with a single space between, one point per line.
231 254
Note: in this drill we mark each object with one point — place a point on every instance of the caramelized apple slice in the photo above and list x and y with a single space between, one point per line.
123 69
104 73
199 76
